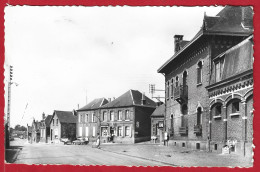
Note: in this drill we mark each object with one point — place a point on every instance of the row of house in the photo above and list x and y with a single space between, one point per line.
126 119
209 85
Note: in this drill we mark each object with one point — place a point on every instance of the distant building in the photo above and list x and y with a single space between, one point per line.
62 125
35 136
157 123
45 128
88 121
127 118
211 74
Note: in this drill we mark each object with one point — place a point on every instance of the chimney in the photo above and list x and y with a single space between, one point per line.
247 17
177 40
109 100
43 115
143 102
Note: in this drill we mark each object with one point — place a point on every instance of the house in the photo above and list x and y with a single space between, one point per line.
88 119
45 128
157 123
189 79
126 119
29 133
62 125
35 135
231 99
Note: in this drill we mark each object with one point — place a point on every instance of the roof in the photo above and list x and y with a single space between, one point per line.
65 116
48 120
96 103
238 59
159 111
130 98
227 22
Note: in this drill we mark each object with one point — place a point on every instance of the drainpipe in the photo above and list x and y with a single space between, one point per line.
225 123
245 124
210 125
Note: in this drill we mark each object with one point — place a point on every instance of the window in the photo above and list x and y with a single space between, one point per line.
86 118
127 115
199 116
112 116
105 116
176 81
235 107
80 131
127 131
168 89
199 73
218 110
86 132
93 117
120 131
219 69
120 115
172 88
104 131
94 131
57 122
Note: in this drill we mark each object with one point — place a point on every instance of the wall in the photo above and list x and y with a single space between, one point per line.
197 96
54 126
143 116
90 124
68 130
118 123
154 122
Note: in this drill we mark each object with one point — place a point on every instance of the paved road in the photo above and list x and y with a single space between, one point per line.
74 154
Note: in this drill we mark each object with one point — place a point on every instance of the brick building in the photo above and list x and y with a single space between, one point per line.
231 99
35 132
157 123
127 118
62 125
88 119
189 72
45 128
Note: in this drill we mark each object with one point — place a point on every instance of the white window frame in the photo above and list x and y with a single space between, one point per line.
80 131
94 131
86 131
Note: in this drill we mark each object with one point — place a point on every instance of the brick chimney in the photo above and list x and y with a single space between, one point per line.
43 115
177 40
143 102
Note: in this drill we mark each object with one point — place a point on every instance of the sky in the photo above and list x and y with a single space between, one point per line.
63 57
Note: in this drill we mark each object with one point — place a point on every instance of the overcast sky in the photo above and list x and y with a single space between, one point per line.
61 53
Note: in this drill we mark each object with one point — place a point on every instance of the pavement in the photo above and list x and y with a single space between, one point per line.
179 156
144 154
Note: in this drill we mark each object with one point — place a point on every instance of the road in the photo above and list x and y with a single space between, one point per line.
41 153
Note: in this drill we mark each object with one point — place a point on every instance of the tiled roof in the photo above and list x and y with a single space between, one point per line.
65 116
159 111
96 103
48 120
226 22
130 98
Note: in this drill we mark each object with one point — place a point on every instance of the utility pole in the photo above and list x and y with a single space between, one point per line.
7 130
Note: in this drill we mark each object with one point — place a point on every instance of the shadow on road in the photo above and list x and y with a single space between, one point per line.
11 153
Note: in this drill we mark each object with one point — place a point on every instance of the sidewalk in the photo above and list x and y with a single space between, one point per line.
11 154
179 156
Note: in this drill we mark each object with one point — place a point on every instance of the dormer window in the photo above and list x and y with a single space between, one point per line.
172 88
219 69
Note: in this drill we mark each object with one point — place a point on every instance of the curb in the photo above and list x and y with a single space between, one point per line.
168 164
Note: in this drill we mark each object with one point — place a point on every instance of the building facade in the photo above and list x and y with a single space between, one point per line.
88 121
63 125
189 72
35 132
45 128
157 123
127 118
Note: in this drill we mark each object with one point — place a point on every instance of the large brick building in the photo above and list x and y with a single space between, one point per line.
127 118
190 73
88 119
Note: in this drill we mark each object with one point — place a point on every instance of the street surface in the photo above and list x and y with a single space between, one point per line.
141 154
41 153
